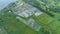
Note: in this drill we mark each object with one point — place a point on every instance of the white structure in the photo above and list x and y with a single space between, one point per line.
26 10
31 23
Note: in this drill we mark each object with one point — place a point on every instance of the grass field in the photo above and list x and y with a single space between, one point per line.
11 25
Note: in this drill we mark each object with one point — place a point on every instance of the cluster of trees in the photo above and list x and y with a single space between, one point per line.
45 5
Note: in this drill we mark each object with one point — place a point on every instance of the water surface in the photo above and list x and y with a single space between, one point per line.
4 3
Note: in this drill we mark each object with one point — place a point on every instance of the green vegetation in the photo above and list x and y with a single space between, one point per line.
49 25
51 7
